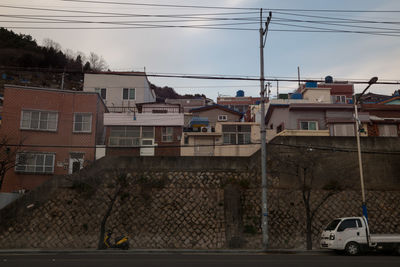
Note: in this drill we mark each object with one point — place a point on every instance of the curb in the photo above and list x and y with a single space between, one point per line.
162 251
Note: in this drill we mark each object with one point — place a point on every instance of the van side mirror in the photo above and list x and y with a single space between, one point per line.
340 228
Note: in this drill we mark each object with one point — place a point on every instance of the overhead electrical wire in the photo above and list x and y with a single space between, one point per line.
243 8
206 76
309 147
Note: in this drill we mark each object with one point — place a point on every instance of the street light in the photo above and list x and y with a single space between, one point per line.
358 122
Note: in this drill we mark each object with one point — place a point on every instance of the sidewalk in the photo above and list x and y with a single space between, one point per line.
164 251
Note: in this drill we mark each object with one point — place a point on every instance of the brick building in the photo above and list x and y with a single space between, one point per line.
51 131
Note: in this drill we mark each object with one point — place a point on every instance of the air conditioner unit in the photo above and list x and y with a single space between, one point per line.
204 129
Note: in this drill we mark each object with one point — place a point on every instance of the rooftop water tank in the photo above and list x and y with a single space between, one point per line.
311 85
328 79
296 96
240 93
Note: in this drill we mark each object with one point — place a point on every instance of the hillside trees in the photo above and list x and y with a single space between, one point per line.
20 50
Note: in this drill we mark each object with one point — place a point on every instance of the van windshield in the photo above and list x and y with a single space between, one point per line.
332 225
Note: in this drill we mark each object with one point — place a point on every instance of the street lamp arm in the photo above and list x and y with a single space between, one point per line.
370 82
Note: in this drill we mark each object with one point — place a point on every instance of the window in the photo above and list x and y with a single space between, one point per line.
340 99
82 122
35 162
147 132
167 134
308 125
102 92
236 134
222 117
128 94
129 136
388 130
125 136
350 223
39 120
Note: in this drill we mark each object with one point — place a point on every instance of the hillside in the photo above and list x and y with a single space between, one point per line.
24 62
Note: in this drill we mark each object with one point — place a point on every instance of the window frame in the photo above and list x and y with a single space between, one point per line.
35 166
308 125
233 137
129 90
222 117
167 134
136 140
82 123
39 120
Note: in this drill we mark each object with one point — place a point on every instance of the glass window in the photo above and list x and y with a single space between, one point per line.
128 93
350 223
236 134
332 225
39 120
129 135
222 117
83 122
167 134
308 125
35 162
147 132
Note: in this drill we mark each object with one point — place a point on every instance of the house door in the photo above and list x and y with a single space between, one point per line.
147 147
75 162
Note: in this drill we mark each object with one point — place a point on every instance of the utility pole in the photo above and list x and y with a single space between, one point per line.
264 210
62 80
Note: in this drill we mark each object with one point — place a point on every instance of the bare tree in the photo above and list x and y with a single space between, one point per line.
111 189
301 164
70 54
97 63
48 43
8 154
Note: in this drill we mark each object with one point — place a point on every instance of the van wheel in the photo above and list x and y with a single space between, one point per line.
352 248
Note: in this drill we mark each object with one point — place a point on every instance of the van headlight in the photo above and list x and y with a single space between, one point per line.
332 237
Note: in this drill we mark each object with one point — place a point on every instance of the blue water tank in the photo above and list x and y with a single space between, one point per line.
328 79
240 93
311 85
296 96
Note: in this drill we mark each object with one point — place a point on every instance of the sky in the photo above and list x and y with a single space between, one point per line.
204 51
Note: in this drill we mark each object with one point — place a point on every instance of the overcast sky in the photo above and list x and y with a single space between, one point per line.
345 56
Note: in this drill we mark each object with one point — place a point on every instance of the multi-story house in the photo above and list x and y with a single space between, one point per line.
229 139
208 116
54 132
120 91
328 110
154 131
240 102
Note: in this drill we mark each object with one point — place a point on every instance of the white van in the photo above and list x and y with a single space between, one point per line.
351 234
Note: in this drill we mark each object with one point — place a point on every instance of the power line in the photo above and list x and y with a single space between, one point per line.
163 5
243 8
337 24
310 147
382 33
213 76
334 18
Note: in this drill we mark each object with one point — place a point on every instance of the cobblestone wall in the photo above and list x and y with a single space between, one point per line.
188 209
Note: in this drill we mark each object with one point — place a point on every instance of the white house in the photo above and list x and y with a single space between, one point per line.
121 91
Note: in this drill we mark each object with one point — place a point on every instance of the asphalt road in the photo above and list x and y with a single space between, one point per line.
195 260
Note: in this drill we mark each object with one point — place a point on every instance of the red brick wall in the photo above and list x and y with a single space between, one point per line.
61 142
